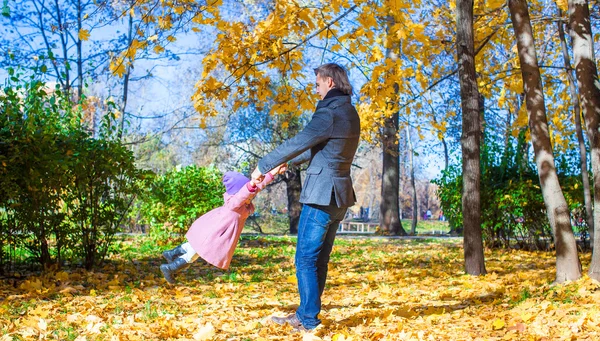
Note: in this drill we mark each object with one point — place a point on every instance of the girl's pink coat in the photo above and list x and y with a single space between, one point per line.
215 235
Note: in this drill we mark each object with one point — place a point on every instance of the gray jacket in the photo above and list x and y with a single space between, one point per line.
329 142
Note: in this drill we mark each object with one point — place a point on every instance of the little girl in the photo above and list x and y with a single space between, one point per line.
215 234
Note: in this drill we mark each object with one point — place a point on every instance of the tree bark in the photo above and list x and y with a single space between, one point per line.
79 54
390 218
568 267
589 92
585 177
126 83
413 186
470 139
294 187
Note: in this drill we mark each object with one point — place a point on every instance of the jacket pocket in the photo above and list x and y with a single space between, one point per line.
312 174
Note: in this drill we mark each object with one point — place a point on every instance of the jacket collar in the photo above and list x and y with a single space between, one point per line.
334 93
341 99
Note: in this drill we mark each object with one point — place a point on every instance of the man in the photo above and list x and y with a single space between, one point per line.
329 142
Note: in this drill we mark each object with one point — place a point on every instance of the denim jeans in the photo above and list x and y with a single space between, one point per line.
316 233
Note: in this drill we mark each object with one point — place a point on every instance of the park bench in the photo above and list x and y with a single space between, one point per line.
348 226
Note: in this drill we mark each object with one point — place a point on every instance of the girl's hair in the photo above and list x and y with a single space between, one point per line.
338 74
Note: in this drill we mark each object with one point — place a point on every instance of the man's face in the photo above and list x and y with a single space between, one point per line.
324 85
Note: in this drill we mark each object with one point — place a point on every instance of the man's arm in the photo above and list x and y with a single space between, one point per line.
300 159
316 131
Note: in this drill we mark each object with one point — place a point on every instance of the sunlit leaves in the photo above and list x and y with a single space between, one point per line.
377 289
84 34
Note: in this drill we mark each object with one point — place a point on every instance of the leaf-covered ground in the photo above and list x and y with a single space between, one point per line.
378 289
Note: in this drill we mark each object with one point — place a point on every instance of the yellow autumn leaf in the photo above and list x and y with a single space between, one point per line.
338 337
84 34
526 317
291 279
205 332
61 276
117 67
498 324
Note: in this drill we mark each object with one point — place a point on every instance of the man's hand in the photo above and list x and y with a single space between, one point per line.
257 176
279 169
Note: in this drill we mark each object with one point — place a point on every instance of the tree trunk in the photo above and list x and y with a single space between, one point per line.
126 83
585 177
79 54
390 218
589 92
470 139
294 187
413 186
568 266
64 45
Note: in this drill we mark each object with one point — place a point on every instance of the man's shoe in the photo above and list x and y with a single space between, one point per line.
300 329
291 319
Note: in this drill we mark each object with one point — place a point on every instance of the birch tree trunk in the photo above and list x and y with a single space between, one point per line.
413 186
568 267
585 178
470 139
589 93
126 83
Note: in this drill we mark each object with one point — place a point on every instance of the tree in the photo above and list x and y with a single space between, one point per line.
69 40
589 92
471 209
585 178
568 267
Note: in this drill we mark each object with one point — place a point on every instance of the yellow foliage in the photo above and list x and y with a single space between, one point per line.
117 67
84 34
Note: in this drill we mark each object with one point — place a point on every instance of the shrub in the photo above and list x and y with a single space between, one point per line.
63 192
174 200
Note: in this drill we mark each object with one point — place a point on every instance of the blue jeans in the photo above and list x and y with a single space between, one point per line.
316 233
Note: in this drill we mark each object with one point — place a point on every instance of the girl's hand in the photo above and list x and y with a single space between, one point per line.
252 183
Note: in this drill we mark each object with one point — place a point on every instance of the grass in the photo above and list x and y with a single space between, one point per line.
279 225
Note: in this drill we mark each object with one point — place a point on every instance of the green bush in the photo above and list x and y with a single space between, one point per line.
174 200
63 192
513 212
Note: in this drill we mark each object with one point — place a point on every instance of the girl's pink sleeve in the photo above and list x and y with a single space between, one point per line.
267 180
247 193
240 198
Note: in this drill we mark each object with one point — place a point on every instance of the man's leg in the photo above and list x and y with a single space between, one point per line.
313 228
336 214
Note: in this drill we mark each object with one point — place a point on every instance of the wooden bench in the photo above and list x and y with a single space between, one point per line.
357 227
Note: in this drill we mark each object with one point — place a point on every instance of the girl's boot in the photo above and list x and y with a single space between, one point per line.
170 269
171 255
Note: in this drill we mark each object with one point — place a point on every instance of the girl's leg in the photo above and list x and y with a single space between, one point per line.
171 255
188 254
181 262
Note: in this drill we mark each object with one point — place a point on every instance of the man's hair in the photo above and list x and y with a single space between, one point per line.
338 74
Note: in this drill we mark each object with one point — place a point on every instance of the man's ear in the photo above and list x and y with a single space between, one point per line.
330 82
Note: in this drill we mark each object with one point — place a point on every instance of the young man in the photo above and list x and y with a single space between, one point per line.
328 142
